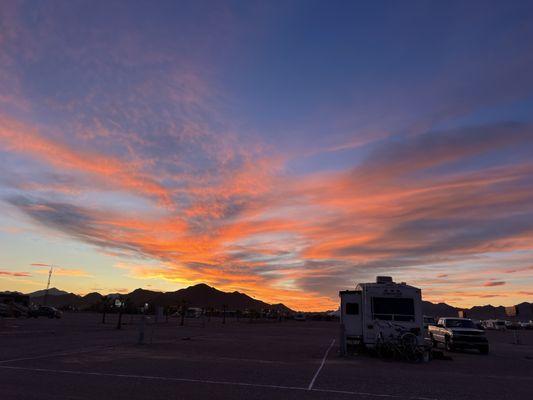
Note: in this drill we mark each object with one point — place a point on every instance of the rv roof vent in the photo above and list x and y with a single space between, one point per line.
384 279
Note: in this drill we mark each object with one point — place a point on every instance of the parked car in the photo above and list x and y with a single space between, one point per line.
5 311
193 312
13 310
299 317
526 325
513 325
458 333
14 304
19 310
45 311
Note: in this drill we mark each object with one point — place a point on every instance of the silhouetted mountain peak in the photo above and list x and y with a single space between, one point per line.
201 286
51 292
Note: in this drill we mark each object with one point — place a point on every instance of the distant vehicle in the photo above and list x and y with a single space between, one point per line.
193 312
479 324
299 317
45 311
458 333
19 310
513 325
13 310
429 321
526 325
495 324
335 314
5 310
14 304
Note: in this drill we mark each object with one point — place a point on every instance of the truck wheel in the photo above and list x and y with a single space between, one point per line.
425 357
448 345
434 343
484 350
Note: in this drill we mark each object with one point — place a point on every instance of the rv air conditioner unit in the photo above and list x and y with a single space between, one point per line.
383 279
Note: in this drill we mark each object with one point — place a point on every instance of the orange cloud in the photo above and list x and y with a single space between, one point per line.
494 283
14 274
20 138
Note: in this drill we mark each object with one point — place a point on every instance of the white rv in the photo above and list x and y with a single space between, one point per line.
376 310
495 324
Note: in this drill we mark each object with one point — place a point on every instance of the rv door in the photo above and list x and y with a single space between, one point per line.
351 314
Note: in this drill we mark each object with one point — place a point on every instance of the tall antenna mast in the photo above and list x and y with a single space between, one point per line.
48 284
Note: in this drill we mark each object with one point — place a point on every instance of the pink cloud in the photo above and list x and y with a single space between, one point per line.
494 283
20 138
14 274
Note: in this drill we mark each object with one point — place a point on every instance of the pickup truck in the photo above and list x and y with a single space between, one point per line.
458 333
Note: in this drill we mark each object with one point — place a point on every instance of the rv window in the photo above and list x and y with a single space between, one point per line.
390 308
352 308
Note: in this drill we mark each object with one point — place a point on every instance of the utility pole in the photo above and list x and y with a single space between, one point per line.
120 310
104 307
513 313
48 284
183 311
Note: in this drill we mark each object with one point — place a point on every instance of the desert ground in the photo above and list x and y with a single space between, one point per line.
78 357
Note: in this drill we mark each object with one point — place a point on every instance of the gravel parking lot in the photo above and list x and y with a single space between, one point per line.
77 357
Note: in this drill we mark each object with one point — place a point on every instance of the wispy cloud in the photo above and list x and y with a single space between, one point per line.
60 271
14 274
494 283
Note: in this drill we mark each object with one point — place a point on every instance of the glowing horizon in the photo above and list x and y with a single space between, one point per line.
284 151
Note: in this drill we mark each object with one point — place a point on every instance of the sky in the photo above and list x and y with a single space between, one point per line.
285 149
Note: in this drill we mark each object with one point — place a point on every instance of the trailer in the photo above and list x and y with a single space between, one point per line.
495 324
383 316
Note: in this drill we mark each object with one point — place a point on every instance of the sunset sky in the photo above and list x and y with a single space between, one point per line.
284 149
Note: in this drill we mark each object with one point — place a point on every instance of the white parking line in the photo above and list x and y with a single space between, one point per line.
372 394
150 377
321 366
55 355
211 382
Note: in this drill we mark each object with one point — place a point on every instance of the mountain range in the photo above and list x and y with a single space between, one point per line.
525 311
202 295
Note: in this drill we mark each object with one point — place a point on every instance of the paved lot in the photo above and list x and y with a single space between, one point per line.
79 358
